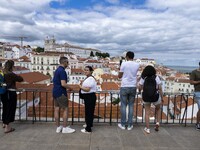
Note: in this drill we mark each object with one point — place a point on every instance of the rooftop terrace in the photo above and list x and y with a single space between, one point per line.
35 127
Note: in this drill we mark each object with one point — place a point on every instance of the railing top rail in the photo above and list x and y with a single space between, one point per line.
102 92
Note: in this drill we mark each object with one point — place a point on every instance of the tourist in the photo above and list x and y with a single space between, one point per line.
128 74
149 71
60 96
9 99
88 90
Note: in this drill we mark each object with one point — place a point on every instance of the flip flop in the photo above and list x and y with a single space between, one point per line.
11 130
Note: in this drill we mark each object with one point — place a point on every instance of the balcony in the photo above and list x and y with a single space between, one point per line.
35 127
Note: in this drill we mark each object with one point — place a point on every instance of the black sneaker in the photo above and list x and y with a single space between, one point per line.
198 127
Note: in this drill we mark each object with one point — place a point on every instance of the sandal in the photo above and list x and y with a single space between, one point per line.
11 130
3 125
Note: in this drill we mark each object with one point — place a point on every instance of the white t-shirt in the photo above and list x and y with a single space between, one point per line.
90 82
158 81
129 69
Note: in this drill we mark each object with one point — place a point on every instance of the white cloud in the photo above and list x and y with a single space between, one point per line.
164 30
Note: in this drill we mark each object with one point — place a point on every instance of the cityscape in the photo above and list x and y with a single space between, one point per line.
99 33
37 65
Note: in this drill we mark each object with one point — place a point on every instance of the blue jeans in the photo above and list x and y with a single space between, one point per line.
127 96
197 98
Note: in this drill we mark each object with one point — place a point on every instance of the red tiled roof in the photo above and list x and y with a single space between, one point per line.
92 61
109 86
183 80
108 76
77 71
34 77
170 78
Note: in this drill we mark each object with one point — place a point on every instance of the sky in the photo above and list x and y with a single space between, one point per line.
165 30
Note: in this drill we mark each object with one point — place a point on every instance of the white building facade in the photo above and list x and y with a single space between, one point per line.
51 45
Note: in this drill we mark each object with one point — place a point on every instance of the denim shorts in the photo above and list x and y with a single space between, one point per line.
197 98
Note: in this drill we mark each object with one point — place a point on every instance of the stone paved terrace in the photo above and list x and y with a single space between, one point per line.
42 136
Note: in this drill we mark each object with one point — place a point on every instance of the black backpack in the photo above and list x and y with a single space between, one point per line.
150 92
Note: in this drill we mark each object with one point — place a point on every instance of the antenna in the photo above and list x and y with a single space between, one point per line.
20 37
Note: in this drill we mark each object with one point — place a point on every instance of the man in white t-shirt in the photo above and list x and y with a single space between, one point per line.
128 73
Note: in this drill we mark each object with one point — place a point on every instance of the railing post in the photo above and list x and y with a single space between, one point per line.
72 107
111 96
34 113
185 111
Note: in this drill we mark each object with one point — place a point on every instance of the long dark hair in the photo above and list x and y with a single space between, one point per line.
91 70
8 67
148 71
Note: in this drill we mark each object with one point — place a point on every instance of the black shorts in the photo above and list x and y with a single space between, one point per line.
61 101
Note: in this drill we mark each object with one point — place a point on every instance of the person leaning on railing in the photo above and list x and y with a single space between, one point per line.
9 99
195 80
60 96
128 75
150 71
88 91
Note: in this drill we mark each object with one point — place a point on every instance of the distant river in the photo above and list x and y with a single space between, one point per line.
183 69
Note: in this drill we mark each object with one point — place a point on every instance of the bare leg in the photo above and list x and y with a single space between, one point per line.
147 112
56 114
65 117
158 113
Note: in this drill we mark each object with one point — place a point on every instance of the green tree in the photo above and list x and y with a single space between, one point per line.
104 55
39 49
97 54
91 54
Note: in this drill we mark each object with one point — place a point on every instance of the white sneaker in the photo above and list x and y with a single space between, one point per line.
157 126
59 129
147 130
121 126
130 127
84 126
68 130
84 131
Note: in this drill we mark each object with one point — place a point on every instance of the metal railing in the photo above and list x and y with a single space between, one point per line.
38 105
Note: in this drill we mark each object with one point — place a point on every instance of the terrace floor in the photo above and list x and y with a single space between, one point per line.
42 136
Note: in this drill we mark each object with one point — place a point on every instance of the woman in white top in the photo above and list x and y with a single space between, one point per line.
148 72
88 89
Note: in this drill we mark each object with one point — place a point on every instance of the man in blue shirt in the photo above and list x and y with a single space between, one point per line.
60 96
